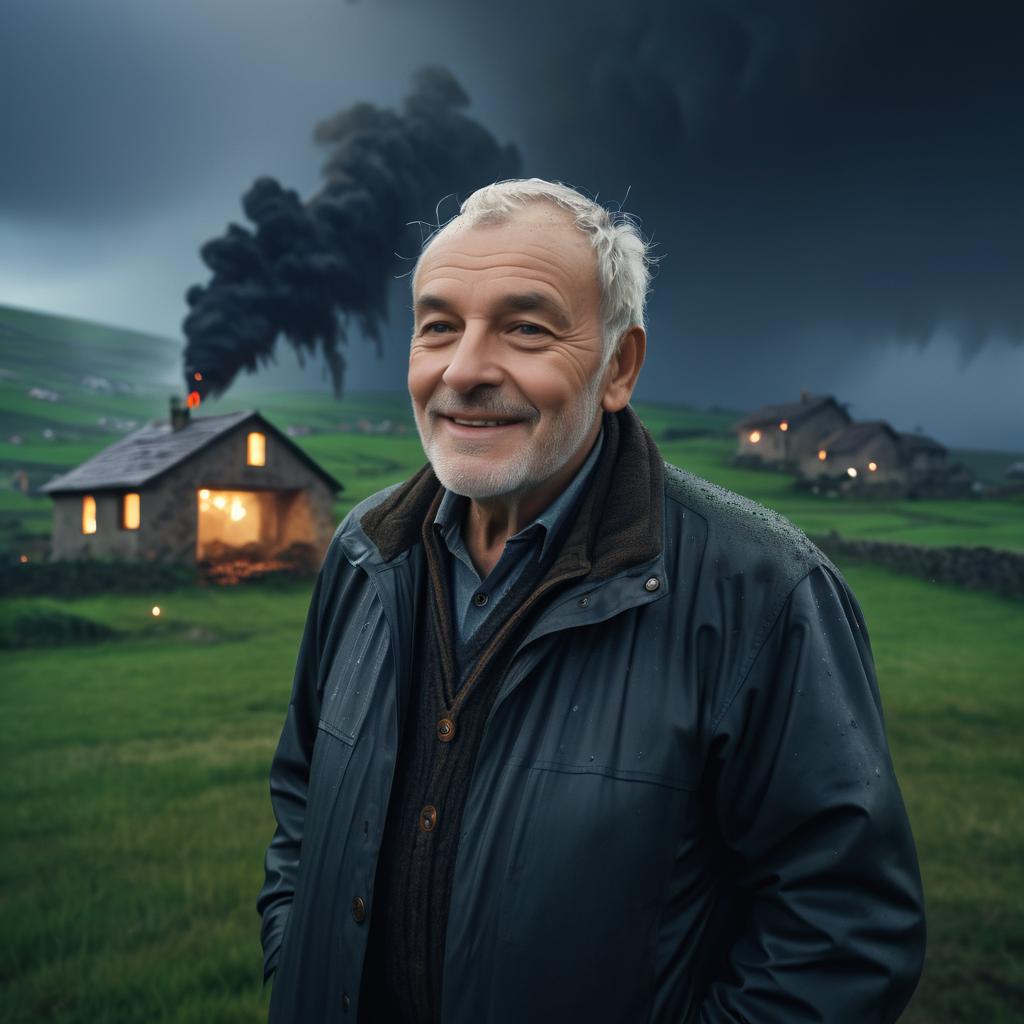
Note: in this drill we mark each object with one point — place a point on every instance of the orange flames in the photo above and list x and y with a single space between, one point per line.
193 400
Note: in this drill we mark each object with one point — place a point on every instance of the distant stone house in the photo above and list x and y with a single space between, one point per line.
781 435
205 489
874 456
869 453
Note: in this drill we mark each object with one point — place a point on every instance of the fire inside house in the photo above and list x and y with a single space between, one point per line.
206 489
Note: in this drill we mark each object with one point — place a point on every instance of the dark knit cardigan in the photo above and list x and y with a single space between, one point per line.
412 891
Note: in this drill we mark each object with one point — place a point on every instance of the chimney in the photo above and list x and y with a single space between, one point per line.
179 414
805 396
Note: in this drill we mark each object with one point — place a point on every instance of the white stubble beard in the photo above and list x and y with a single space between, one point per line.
470 474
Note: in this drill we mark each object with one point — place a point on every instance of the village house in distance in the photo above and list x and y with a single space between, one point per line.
207 489
817 440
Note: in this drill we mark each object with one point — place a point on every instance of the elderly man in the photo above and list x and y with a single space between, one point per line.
575 735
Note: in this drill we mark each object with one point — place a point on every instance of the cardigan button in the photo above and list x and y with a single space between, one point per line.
359 910
428 818
446 730
652 584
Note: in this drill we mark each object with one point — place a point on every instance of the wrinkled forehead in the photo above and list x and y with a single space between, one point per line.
540 233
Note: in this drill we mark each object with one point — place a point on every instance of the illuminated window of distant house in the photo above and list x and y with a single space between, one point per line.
131 511
256 449
88 514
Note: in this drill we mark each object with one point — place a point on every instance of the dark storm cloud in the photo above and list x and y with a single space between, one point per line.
823 179
843 170
307 264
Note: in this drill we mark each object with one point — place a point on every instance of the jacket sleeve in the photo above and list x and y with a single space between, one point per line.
808 804
289 780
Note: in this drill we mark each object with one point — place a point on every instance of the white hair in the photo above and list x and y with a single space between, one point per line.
623 257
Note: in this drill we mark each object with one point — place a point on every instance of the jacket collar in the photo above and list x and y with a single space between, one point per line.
619 522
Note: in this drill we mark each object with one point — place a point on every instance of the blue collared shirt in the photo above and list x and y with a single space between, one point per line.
474 598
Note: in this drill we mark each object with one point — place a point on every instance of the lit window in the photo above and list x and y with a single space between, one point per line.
821 454
783 426
131 511
755 436
256 449
88 514
872 466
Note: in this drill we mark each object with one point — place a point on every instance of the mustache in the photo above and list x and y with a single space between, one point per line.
492 403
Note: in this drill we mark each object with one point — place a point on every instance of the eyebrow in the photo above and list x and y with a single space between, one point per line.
521 302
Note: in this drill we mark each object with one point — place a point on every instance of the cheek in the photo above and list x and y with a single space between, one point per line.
550 388
424 373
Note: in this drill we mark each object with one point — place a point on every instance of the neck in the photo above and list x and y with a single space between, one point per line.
491 521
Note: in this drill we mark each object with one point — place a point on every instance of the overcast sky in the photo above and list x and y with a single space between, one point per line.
834 188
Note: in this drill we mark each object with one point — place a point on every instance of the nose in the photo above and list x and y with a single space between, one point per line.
474 360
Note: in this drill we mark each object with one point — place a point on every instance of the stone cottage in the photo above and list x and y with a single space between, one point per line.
207 489
781 435
868 453
873 456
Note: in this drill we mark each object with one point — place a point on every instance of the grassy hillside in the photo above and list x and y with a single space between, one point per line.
134 812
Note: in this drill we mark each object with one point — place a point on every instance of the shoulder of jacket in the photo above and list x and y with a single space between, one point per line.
349 540
742 535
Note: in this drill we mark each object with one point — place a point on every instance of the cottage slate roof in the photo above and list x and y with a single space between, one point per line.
142 456
854 436
919 442
790 412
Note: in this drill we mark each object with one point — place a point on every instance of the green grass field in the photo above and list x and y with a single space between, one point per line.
135 807
136 810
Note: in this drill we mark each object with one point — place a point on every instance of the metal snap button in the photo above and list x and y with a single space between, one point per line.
652 584
446 730
428 818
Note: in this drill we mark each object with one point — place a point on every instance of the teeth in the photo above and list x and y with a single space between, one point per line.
478 423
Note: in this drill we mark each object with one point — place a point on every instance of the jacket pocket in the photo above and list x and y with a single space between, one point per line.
589 858
355 670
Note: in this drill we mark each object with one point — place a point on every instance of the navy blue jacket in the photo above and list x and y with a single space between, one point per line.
683 808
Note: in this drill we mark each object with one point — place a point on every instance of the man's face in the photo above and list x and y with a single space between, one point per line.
506 353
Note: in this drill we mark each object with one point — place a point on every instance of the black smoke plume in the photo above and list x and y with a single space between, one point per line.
308 270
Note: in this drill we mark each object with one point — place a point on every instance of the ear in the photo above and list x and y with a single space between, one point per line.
624 369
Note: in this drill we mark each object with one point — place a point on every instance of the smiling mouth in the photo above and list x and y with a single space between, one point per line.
460 421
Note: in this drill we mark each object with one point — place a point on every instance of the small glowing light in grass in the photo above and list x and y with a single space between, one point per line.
156 611
755 436
872 466
851 472
23 559
821 454
783 426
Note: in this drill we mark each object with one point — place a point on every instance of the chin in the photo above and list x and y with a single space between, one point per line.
482 483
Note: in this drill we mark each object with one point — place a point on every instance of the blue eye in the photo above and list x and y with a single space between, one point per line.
531 329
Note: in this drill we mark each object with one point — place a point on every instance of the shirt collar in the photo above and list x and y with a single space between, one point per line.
550 523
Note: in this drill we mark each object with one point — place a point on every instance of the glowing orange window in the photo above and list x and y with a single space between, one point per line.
131 511
256 449
88 514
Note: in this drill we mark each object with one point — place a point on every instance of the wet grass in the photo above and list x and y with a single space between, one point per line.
135 811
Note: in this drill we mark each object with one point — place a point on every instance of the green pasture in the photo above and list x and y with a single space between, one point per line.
135 807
